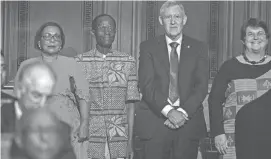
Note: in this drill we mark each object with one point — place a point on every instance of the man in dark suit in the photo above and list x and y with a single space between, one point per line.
173 80
34 85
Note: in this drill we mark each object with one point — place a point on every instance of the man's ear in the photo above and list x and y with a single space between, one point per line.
92 32
19 91
184 19
160 20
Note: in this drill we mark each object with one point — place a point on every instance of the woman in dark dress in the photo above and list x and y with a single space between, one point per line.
240 98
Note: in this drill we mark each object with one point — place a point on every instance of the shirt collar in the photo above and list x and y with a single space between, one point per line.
179 41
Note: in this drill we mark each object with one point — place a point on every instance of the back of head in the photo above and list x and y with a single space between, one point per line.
41 135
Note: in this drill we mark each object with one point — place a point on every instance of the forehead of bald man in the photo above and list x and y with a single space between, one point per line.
37 72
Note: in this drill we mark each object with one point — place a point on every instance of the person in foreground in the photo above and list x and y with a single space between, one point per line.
41 135
112 78
173 80
33 86
71 96
240 98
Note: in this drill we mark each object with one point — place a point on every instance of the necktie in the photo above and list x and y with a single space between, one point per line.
173 85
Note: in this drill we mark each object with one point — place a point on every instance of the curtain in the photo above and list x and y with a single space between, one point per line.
9 36
232 15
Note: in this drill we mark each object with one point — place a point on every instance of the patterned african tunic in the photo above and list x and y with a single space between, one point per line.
113 82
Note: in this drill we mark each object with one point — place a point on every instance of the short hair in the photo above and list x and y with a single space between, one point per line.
40 30
94 22
254 23
25 69
171 3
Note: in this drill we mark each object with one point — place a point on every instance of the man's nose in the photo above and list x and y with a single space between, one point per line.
43 101
256 37
172 20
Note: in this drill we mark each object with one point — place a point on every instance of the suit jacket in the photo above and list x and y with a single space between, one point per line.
8 116
154 77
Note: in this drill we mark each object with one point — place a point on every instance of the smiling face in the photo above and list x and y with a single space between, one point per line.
255 40
173 20
105 31
50 42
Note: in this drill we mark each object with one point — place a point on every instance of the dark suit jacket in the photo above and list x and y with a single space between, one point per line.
154 79
8 116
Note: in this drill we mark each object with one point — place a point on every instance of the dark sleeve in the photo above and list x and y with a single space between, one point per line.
200 89
216 100
151 91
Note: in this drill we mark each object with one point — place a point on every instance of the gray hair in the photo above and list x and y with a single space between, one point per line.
171 3
26 69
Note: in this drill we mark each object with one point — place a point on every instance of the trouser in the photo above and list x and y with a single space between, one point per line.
166 144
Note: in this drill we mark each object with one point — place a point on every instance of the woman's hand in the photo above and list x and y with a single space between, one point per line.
221 143
83 132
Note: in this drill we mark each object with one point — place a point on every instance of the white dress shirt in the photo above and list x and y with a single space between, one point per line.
167 108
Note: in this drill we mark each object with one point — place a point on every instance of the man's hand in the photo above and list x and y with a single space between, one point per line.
130 152
82 132
176 117
169 124
221 143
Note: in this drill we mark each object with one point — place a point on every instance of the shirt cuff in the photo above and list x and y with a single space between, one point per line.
184 112
166 109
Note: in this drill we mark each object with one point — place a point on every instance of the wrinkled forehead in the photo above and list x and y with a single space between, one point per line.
173 10
254 29
51 30
105 21
40 83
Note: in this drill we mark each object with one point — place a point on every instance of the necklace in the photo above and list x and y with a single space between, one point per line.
253 62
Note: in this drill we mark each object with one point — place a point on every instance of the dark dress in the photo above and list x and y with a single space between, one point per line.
241 94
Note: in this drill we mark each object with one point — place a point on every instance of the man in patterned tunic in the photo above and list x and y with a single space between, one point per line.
112 78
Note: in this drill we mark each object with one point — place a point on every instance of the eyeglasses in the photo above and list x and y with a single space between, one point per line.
176 17
260 35
105 29
49 36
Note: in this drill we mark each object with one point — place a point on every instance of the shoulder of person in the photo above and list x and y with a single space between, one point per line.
229 64
30 60
193 41
125 55
82 56
152 41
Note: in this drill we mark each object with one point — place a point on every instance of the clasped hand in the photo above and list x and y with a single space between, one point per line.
175 120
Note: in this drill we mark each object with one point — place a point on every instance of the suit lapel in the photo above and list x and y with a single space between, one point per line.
163 52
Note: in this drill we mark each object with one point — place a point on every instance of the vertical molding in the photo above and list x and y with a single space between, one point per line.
87 16
151 18
214 38
23 31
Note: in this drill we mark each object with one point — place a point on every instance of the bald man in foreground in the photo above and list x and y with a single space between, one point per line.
40 134
34 83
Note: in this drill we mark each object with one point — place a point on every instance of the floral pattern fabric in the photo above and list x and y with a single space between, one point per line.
113 82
